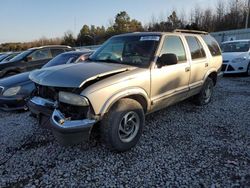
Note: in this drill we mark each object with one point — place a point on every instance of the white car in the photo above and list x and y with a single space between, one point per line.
236 57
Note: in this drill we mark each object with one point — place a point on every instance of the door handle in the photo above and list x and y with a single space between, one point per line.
206 64
187 69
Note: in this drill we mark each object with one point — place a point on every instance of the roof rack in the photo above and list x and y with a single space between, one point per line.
190 31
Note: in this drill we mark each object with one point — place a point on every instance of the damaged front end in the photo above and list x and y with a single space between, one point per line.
69 115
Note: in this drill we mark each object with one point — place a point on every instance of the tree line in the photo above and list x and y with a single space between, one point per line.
225 16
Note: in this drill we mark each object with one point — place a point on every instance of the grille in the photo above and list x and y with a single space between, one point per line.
1 89
230 68
223 67
74 112
47 92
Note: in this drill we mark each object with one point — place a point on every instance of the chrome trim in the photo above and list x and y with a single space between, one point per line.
59 120
43 102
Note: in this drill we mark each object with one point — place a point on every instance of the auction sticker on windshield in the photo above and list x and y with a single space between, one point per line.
154 38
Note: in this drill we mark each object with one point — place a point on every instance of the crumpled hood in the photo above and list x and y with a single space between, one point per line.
75 75
229 56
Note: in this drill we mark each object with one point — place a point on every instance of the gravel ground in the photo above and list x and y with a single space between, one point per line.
182 146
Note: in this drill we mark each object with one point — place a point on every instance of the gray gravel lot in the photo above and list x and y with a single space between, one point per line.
183 145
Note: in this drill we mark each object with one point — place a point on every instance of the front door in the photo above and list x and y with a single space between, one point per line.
170 84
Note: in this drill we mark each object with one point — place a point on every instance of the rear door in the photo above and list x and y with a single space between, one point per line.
38 58
199 62
169 84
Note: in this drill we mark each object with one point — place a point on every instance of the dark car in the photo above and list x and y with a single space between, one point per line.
8 56
15 90
31 59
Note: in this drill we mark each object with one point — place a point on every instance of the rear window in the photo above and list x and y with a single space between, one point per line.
212 45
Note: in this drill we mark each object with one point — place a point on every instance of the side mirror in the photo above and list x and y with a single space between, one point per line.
167 59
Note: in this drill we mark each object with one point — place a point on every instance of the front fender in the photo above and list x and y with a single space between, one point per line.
102 105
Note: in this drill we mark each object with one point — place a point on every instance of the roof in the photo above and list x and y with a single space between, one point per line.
78 52
243 40
177 31
50 46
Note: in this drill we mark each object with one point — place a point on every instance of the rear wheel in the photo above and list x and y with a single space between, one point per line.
122 126
205 95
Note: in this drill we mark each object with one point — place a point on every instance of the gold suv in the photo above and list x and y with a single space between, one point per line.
129 76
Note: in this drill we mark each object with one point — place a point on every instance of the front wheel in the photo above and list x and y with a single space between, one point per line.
205 95
122 126
248 70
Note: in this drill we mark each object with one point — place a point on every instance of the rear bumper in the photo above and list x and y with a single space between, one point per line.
13 103
69 132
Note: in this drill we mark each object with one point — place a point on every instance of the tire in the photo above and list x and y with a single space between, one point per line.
248 70
205 95
121 128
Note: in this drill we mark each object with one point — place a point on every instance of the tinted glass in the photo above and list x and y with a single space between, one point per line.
62 59
56 52
235 47
212 45
195 47
40 54
2 57
22 55
174 45
132 50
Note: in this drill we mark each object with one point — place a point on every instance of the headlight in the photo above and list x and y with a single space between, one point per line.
239 60
73 99
11 91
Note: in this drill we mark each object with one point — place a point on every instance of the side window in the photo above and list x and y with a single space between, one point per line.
40 54
174 45
212 45
56 51
195 47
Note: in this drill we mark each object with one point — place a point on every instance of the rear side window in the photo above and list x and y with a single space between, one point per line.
212 45
195 47
56 51
40 54
174 45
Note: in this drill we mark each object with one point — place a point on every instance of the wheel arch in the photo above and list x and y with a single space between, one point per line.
136 94
213 75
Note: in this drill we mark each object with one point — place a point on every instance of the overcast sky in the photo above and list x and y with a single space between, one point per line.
26 20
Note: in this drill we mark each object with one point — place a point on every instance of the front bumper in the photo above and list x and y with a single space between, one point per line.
43 109
70 132
234 68
17 102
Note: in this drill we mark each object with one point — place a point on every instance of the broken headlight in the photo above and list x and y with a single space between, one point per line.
73 99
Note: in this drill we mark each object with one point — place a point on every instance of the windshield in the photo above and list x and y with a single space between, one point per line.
2 57
235 47
62 59
21 55
132 50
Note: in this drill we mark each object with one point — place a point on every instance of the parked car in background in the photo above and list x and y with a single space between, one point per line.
16 90
8 56
236 57
130 76
31 59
